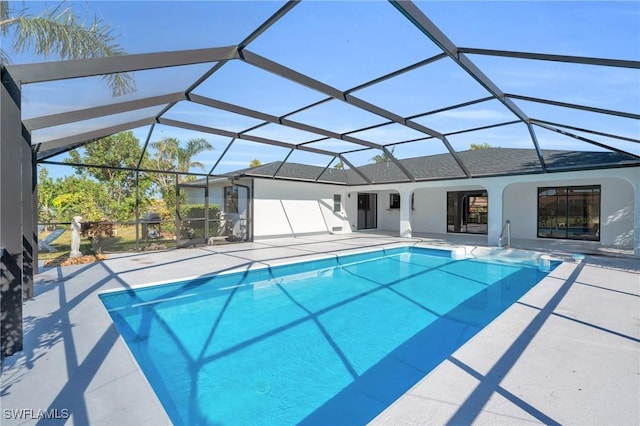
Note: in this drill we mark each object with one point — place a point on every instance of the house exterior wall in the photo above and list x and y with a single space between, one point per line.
616 208
430 207
430 213
216 195
284 208
518 197
388 218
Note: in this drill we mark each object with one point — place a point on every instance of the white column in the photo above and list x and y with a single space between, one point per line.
495 192
405 213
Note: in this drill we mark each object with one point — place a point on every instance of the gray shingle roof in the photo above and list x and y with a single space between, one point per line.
483 162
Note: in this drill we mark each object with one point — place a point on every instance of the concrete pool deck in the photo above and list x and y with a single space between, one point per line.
568 352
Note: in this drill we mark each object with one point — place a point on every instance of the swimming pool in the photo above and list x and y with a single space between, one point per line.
323 342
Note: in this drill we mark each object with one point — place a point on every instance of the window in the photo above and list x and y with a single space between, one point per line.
337 202
231 199
394 201
467 212
569 212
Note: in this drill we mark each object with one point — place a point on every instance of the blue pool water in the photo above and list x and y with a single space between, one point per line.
325 342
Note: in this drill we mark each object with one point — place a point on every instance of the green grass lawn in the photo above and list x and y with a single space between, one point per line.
124 240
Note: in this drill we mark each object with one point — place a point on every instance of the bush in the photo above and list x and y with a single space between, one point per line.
195 228
97 232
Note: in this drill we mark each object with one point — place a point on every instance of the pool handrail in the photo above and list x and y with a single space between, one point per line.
507 227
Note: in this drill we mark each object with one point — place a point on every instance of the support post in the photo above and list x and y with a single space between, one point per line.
137 210
29 217
11 215
495 219
636 219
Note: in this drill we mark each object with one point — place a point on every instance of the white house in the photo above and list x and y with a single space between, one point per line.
599 206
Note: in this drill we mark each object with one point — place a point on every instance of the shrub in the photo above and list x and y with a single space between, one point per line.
194 228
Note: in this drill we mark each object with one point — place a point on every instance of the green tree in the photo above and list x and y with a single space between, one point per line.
58 31
77 195
119 151
185 155
61 199
255 163
384 157
168 154
339 165
46 194
478 146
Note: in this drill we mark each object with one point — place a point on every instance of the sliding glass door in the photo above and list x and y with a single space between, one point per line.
467 212
569 212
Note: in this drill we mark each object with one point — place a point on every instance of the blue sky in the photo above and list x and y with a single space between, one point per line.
347 43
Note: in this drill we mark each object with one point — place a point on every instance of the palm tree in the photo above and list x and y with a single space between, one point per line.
60 32
255 163
384 157
184 155
170 155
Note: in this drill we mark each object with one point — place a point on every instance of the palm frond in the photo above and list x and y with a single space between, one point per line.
4 11
4 58
59 32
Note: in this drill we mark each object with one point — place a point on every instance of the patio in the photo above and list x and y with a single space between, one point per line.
566 353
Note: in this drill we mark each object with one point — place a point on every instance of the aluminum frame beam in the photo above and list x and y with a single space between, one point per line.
128 169
31 73
224 152
268 23
272 119
80 139
579 129
582 138
575 106
327 168
146 144
290 123
368 84
423 114
62 70
427 27
282 163
44 121
488 126
452 107
585 60
255 34
355 169
289 74
222 132
396 73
